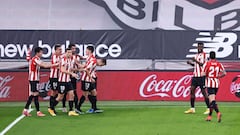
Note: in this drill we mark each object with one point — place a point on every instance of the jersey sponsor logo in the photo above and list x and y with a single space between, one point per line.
4 87
152 86
221 42
165 14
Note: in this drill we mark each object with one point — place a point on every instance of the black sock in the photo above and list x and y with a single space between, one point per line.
215 107
64 100
82 99
207 102
70 105
36 103
55 96
75 99
90 100
28 102
55 102
192 102
51 101
211 109
94 104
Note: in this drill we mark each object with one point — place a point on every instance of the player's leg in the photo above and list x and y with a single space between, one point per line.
64 108
93 98
56 100
204 93
61 91
75 98
213 103
54 90
74 84
94 102
81 101
29 101
37 106
192 96
71 101
85 88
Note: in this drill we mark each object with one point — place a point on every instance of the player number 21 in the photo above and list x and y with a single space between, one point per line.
213 70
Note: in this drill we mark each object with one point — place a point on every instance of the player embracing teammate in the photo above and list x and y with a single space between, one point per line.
34 77
64 83
69 64
89 81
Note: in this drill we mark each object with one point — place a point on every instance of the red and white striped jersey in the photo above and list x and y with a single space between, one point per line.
91 64
76 58
212 69
54 71
67 63
34 69
202 58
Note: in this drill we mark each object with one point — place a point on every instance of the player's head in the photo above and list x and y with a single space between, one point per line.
101 62
38 51
200 47
212 55
73 47
89 50
68 52
58 49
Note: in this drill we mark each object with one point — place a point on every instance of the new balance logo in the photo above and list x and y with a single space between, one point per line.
222 43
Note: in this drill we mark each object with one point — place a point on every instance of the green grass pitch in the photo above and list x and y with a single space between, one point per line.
125 118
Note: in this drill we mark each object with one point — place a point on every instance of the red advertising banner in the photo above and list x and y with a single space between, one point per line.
126 85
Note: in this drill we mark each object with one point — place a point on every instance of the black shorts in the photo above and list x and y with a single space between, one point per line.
64 87
74 83
89 86
53 84
212 91
34 86
198 81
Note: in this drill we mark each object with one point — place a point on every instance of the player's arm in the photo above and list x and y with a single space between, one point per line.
199 63
45 64
204 70
222 72
87 70
190 62
88 74
63 69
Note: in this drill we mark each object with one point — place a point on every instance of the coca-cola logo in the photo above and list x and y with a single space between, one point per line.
152 86
235 85
4 88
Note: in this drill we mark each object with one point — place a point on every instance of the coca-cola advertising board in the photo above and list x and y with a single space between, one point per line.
126 85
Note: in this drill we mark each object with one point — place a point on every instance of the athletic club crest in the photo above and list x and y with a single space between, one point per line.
210 4
173 14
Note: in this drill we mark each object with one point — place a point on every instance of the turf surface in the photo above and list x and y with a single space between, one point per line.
125 118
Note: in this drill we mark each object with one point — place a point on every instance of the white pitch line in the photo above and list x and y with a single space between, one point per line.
13 123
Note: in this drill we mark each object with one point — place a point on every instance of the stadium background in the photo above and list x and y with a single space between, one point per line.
146 42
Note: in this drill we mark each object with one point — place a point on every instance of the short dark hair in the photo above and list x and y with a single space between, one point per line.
71 45
104 61
68 49
56 46
91 48
200 43
212 55
37 50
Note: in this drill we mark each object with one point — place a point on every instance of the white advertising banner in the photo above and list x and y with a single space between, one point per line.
120 14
